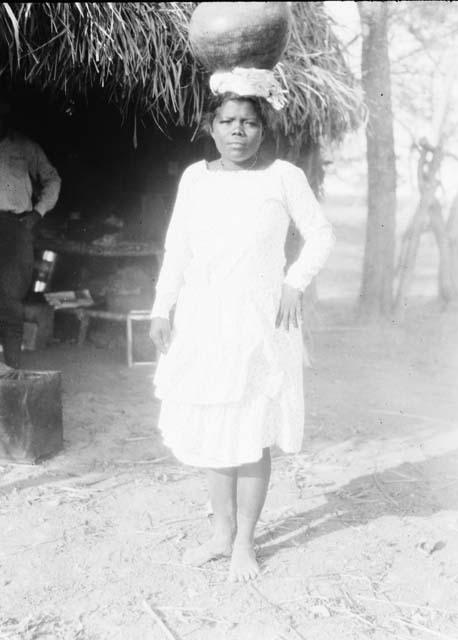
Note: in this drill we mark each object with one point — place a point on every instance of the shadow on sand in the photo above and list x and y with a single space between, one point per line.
410 489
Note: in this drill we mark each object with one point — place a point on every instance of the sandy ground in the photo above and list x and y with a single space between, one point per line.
359 537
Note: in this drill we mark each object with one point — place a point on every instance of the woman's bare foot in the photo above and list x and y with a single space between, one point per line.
244 566
216 547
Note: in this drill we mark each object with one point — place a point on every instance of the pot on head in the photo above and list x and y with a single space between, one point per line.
224 35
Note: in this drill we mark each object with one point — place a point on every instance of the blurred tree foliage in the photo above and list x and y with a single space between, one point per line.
424 36
421 76
423 41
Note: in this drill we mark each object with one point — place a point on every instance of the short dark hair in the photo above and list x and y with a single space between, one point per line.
262 108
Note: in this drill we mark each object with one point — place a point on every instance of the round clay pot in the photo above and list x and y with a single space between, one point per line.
224 35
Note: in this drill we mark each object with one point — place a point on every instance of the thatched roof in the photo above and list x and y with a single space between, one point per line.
138 52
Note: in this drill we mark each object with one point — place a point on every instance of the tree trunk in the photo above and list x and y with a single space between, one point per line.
407 258
426 176
378 267
452 233
446 284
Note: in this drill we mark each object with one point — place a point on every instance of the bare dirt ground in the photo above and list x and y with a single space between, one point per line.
359 537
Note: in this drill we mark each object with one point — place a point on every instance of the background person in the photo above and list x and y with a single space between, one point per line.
29 188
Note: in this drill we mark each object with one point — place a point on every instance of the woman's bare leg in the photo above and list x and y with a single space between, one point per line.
252 484
222 489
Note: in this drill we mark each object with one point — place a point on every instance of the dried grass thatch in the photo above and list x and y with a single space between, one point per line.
324 97
138 52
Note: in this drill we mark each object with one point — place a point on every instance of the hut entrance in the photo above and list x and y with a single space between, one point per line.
119 180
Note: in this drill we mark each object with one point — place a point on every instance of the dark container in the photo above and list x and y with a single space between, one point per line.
30 415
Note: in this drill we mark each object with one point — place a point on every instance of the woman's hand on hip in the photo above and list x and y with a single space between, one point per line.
289 313
160 334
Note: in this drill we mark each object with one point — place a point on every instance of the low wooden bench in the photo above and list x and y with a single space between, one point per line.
85 314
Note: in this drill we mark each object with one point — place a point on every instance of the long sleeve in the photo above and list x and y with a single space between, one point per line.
42 170
315 229
176 257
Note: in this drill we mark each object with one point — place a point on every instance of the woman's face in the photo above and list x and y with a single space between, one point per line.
237 131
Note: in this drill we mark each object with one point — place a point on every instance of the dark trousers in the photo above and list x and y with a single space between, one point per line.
16 271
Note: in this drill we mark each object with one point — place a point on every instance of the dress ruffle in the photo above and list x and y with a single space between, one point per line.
235 433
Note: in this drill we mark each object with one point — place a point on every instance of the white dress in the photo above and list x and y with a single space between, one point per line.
231 382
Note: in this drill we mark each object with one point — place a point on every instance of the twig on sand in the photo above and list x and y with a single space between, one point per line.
152 461
168 523
180 609
34 545
190 567
337 328
383 492
410 605
198 613
351 611
354 614
406 477
358 616
281 612
421 627
405 414
155 616
402 481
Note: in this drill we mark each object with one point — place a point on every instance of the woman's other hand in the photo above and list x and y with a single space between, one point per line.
160 334
289 313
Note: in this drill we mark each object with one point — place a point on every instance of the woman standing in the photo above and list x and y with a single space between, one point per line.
230 373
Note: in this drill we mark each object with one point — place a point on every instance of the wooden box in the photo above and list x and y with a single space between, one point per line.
30 415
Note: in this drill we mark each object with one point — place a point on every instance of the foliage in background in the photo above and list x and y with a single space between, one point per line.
423 47
138 52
